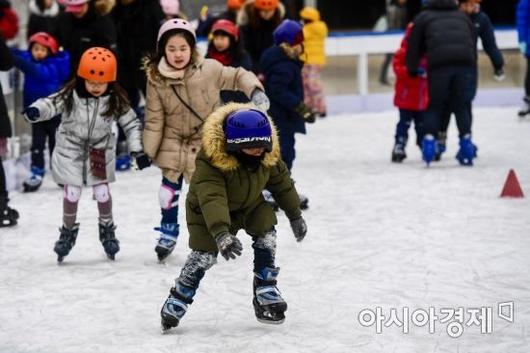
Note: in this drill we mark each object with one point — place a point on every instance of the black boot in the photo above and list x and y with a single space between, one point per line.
66 241
111 245
8 216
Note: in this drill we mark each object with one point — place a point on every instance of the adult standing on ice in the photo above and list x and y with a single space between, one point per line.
445 34
182 90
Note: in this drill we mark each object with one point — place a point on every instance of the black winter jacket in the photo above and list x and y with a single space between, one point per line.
445 34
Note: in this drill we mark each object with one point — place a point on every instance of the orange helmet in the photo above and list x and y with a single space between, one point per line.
98 64
234 4
266 4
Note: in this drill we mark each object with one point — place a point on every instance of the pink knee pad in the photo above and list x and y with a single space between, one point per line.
101 193
72 193
165 197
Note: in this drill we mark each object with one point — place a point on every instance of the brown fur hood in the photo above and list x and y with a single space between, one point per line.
243 16
150 66
214 141
104 7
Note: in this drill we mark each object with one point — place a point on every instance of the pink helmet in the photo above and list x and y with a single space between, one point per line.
170 7
46 40
73 5
176 23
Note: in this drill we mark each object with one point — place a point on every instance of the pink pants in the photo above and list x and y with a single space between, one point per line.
313 89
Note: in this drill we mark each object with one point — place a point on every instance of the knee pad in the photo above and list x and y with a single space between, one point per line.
196 265
266 242
166 196
72 193
101 193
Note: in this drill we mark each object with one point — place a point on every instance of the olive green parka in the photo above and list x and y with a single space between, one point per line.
225 196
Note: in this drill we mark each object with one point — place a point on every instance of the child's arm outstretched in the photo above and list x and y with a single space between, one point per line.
44 108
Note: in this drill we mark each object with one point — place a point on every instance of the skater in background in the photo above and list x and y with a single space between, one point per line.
171 9
90 105
445 35
206 20
8 215
523 31
396 15
8 21
314 57
183 88
43 16
484 30
239 159
45 70
282 70
411 96
257 20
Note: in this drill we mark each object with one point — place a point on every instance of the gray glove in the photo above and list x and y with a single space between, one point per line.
299 228
260 100
229 246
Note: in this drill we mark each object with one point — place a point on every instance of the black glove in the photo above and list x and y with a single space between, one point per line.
305 112
31 113
299 228
142 160
229 246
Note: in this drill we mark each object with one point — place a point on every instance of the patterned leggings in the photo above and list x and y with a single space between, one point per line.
313 89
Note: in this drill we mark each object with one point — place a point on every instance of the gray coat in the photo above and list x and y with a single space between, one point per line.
84 128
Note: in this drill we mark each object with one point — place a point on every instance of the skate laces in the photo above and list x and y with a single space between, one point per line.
175 307
266 295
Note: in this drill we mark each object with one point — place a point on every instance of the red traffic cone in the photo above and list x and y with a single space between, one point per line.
511 186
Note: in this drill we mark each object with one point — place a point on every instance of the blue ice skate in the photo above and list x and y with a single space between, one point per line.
467 151
269 306
176 305
107 237
428 148
66 241
34 181
169 233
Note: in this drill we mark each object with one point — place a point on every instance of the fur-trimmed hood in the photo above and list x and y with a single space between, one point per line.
104 7
214 140
150 66
243 16
51 12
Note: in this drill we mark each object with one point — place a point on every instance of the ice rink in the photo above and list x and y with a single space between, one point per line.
380 235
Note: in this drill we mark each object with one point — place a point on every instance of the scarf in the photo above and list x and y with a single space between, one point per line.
169 71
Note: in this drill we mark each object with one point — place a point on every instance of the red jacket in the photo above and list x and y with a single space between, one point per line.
8 23
411 93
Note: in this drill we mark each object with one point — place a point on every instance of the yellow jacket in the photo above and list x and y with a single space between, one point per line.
315 34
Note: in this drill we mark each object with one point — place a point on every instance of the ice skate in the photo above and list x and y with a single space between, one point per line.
269 305
398 153
467 151
8 216
167 241
428 148
442 139
107 237
34 182
175 306
525 109
66 241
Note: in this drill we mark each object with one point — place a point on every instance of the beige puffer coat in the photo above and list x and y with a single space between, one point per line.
172 133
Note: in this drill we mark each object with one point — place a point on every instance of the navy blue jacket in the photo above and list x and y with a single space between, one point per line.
484 30
283 86
41 78
523 24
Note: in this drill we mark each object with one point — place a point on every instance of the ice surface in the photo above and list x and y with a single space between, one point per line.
380 234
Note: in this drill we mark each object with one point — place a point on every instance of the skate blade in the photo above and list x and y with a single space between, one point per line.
270 322
60 259
111 257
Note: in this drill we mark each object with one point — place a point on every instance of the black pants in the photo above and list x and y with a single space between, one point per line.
454 87
3 186
40 133
527 78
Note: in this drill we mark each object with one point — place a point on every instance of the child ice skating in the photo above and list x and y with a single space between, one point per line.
45 70
84 154
182 90
411 97
239 159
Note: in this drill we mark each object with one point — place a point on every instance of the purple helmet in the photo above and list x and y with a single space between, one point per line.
176 24
247 128
289 32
